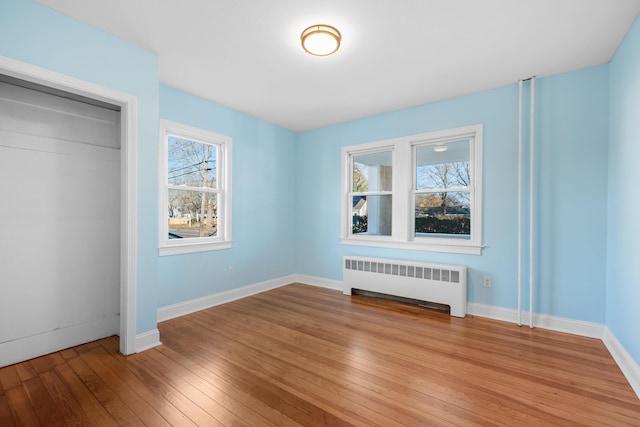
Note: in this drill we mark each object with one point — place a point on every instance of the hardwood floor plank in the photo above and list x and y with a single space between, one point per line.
373 377
21 407
124 386
151 387
47 410
501 364
282 399
305 356
369 384
72 413
210 399
9 378
210 381
25 371
46 363
112 403
91 407
6 417
69 353
274 358
568 402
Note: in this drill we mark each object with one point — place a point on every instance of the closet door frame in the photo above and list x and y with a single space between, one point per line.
128 181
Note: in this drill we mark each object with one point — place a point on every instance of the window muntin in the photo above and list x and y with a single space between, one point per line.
431 201
443 190
195 190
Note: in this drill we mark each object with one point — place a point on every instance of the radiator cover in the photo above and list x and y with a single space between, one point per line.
440 283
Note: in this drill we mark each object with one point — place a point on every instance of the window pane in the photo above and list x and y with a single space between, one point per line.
443 166
372 172
192 163
443 213
371 215
192 214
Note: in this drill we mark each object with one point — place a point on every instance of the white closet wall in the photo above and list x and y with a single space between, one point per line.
59 222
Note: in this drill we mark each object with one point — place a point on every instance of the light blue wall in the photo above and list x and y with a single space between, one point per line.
571 179
572 135
264 204
623 246
35 34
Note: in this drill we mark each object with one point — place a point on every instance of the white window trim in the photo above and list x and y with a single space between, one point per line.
223 239
402 189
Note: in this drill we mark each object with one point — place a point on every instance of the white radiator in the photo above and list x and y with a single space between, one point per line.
439 283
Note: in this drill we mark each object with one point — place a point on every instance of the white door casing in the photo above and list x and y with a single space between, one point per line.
128 169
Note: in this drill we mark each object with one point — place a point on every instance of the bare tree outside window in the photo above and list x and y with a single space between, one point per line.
443 179
192 164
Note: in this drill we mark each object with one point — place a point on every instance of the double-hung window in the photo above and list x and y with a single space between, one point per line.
417 192
195 173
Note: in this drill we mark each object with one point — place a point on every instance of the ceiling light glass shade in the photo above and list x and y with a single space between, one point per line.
440 148
321 40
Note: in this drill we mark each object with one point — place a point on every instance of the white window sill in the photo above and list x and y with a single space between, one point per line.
455 247
192 247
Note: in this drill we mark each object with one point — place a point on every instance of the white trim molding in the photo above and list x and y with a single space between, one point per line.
147 340
318 281
176 310
58 339
629 367
543 321
128 177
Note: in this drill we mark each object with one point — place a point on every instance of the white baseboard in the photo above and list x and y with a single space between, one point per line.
187 307
147 340
492 312
628 366
48 342
318 281
544 321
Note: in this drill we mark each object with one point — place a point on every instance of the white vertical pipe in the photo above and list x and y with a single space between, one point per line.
531 197
520 203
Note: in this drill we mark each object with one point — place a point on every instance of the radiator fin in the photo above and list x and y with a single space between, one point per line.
404 270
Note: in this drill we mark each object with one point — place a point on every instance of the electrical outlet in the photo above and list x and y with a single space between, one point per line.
487 282
231 271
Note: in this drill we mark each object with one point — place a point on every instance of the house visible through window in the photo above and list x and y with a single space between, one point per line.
195 190
419 192
371 196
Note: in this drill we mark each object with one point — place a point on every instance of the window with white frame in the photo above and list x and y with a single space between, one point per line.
416 192
371 193
195 195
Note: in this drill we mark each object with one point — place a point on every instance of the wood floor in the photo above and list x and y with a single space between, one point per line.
300 355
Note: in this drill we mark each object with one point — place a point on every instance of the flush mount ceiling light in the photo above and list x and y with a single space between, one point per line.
321 40
440 148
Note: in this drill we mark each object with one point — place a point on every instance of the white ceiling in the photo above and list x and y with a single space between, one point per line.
246 54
